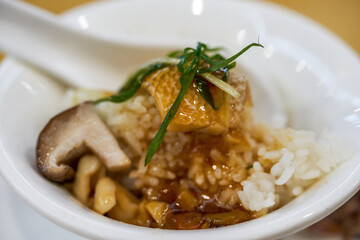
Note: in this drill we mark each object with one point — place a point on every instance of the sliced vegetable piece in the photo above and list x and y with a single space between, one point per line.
184 221
87 167
143 218
157 210
227 218
126 207
186 200
105 197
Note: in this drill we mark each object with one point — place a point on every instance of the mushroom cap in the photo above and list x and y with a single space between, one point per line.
69 135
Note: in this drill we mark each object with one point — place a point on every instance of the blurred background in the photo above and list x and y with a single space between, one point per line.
342 17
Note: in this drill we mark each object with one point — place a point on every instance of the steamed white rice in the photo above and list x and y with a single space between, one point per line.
287 161
295 160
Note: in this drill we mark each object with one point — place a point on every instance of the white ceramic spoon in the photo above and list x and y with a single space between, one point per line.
79 58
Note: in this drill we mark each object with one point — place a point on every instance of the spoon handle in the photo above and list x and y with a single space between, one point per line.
77 57
35 36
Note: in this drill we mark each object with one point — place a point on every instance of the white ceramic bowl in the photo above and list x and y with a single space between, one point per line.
312 75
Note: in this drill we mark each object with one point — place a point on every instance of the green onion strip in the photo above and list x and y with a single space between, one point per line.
221 84
186 79
188 62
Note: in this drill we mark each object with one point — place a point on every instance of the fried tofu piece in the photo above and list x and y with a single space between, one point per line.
194 113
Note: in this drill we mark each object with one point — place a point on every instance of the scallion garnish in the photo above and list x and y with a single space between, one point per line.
221 84
224 63
190 63
203 89
133 84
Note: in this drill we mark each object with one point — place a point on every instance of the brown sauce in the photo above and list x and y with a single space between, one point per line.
197 207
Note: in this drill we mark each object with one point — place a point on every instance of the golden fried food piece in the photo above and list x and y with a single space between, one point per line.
194 113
